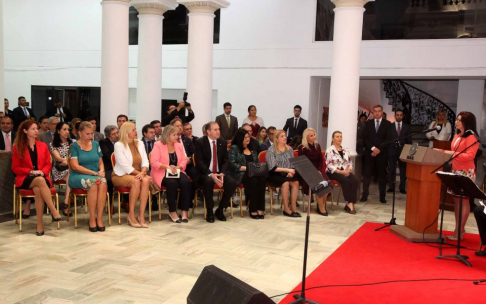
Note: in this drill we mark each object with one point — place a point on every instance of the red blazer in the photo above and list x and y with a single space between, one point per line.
160 155
22 167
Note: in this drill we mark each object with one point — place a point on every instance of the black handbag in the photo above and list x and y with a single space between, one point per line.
257 169
60 167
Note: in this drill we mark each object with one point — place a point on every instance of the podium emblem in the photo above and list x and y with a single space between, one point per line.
413 150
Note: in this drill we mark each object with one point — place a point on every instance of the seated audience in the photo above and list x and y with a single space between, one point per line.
212 162
254 144
120 120
269 141
168 155
107 146
338 167
31 163
74 134
240 156
158 129
262 135
296 142
131 171
43 122
311 148
97 136
8 134
88 173
253 120
281 172
148 139
444 128
187 131
47 137
60 171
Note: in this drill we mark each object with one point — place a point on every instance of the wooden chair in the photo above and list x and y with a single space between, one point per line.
262 157
215 188
161 197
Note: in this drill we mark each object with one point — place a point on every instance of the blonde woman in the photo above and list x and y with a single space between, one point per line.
130 170
88 172
445 130
168 154
281 172
311 148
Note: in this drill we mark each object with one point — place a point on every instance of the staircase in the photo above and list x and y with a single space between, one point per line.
419 108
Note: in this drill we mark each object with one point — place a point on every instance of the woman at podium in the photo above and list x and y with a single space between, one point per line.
443 128
464 163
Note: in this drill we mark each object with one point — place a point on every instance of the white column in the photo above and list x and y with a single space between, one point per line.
2 68
149 71
200 57
114 61
343 104
470 98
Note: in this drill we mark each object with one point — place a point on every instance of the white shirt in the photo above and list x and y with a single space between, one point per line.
212 153
59 110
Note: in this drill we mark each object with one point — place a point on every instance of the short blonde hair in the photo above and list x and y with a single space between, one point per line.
305 144
85 125
168 130
275 140
126 128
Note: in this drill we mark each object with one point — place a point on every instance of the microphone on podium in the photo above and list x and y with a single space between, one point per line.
437 128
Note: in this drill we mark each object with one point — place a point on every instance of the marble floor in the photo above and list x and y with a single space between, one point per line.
162 263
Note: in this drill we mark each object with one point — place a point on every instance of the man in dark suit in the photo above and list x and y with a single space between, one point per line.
399 131
228 124
295 125
187 131
8 134
375 139
269 142
178 112
61 112
48 137
97 136
107 146
212 163
148 139
22 112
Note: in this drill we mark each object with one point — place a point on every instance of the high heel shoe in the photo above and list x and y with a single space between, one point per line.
454 238
39 233
56 219
178 220
348 210
322 213
255 217
92 229
134 225
144 225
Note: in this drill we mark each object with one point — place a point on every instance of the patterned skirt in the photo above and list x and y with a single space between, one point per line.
469 173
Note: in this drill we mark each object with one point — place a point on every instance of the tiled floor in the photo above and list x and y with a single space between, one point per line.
161 264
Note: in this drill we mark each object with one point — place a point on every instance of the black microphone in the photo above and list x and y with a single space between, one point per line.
438 128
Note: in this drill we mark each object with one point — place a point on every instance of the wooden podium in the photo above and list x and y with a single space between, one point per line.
423 194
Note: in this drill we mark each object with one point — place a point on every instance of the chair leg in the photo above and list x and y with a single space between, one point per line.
108 207
150 208
57 204
194 205
339 195
241 202
20 212
231 206
75 212
271 201
332 200
119 208
160 206
14 200
303 201
205 211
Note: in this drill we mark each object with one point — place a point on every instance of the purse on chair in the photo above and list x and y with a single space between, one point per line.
257 169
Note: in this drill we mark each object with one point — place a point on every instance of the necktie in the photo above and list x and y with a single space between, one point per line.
8 143
215 159
228 121
399 129
60 115
150 145
295 124
377 125
25 112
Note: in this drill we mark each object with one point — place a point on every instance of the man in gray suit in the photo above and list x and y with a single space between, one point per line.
228 124
48 136
97 136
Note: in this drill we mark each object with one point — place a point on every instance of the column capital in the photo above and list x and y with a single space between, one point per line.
350 3
204 6
153 7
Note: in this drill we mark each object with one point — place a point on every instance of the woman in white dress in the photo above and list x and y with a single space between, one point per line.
445 130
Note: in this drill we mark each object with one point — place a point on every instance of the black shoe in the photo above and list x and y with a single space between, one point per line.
93 229
403 192
479 253
287 214
56 219
389 190
177 220
209 216
41 233
25 216
383 200
220 215
321 213
101 229
348 210
261 216
70 214
255 217
185 221
296 214
364 198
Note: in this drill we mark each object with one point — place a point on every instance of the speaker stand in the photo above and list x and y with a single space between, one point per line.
301 298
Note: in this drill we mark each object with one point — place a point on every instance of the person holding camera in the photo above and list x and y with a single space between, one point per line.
178 111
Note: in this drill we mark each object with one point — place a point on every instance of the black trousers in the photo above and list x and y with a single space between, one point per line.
207 184
255 192
109 183
193 174
171 185
348 184
481 220
392 171
371 165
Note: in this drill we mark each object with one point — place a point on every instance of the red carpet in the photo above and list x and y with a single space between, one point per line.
369 256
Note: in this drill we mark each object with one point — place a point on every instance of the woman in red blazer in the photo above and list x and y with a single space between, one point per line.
31 163
168 154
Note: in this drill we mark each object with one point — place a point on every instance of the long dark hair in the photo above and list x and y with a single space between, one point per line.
56 141
21 141
239 138
468 120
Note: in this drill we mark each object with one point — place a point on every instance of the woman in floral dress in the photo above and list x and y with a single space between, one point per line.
59 150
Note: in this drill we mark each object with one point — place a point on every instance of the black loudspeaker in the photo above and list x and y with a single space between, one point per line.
214 286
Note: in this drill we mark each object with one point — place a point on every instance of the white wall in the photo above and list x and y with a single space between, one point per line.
266 54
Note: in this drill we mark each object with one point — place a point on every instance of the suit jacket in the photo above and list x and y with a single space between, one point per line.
124 158
22 167
145 144
378 140
267 144
2 142
292 131
160 156
46 137
359 138
180 114
18 116
203 155
237 160
188 146
69 116
255 145
107 148
404 138
227 133
97 136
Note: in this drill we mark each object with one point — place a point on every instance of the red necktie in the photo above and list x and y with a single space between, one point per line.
8 143
215 159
